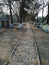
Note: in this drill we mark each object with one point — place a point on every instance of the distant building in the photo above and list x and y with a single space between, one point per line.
4 21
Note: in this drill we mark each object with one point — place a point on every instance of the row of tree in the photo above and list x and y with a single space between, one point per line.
33 5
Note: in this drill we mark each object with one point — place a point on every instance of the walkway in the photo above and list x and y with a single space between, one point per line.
42 39
26 52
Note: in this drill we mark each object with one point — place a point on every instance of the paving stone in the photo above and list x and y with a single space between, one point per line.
8 40
25 54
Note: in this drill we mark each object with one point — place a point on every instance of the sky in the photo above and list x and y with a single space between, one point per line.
45 10
44 13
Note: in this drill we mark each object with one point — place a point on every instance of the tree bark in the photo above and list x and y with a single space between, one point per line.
48 15
9 1
22 5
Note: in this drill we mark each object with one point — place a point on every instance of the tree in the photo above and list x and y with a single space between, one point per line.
22 12
10 8
48 15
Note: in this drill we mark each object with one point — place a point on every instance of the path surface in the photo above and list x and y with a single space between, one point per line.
8 39
42 39
25 53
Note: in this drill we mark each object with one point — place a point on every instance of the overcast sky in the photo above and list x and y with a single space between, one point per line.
45 10
44 13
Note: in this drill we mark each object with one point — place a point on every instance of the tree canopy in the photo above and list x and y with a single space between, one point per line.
20 7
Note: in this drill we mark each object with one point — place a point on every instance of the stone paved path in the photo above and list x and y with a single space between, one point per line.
8 40
25 53
42 39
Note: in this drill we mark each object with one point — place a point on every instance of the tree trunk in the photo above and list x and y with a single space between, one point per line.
22 5
48 15
11 14
10 8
